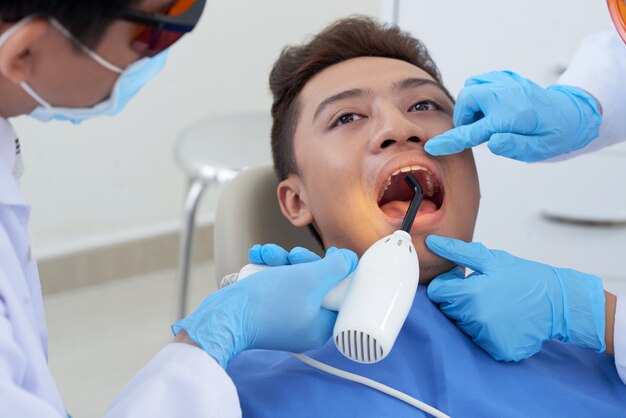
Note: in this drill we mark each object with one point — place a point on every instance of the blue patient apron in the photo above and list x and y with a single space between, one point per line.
436 363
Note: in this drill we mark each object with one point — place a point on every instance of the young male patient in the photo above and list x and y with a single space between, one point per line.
352 110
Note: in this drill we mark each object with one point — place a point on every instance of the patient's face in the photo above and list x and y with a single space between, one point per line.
363 124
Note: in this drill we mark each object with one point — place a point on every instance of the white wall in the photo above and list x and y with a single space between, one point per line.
535 38
113 177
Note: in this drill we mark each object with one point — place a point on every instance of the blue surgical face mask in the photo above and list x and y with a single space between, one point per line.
129 82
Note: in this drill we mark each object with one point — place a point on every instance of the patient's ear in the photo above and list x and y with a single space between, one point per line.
293 201
16 59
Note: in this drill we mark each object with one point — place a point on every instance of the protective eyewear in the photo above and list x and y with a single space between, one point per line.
617 9
158 31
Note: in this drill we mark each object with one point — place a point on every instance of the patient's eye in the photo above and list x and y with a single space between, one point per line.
346 118
424 106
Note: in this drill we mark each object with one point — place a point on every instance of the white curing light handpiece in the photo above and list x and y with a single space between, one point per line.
374 301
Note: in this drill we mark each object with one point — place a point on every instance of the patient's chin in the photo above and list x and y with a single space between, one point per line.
432 267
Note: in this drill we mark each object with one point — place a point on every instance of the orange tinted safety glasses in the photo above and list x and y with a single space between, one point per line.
617 9
158 31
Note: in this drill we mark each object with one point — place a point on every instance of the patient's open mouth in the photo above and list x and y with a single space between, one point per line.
395 195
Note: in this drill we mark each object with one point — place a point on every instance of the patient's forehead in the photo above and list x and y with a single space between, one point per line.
375 73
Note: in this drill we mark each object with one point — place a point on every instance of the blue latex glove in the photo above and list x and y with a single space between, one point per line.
275 255
520 119
510 306
277 309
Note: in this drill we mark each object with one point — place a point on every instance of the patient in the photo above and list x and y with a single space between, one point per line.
344 141
352 110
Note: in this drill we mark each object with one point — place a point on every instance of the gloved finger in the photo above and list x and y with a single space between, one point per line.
468 254
268 254
299 255
331 250
483 95
518 147
436 289
472 104
254 254
460 138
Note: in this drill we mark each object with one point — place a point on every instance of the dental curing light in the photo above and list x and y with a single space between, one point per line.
374 301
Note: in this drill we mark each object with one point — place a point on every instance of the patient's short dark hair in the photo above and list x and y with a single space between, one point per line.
345 39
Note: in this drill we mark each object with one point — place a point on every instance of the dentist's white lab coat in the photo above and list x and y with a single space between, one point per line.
181 381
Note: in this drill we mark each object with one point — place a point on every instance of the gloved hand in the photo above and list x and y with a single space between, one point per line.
520 119
278 309
275 255
510 306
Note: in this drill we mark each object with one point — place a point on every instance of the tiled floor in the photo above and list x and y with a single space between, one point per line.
100 336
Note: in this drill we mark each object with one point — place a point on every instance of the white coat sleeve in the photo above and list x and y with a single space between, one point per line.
619 338
181 381
15 399
599 67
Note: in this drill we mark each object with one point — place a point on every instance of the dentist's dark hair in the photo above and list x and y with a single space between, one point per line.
87 20
353 37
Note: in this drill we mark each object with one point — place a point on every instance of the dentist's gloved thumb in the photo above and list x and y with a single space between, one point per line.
467 254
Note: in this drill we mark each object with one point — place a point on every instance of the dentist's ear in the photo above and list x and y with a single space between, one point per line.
16 58
293 201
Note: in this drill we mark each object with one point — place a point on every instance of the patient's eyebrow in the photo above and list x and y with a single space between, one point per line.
347 94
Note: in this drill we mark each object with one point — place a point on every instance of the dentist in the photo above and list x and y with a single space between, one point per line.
510 306
74 60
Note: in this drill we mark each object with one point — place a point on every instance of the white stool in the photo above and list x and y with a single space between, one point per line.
211 152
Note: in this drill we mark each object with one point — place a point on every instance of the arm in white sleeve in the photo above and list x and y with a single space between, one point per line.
181 381
16 398
619 338
24 391
599 68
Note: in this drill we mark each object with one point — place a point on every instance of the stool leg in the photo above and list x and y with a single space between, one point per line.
196 189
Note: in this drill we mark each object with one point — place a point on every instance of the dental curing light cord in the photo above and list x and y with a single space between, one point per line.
414 207
372 384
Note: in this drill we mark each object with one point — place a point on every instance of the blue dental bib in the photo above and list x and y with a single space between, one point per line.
435 362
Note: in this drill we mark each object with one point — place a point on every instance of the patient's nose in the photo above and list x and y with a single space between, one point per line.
386 141
396 130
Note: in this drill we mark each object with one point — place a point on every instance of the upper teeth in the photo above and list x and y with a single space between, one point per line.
431 186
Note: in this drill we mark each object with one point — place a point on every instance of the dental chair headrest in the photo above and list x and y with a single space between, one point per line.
248 213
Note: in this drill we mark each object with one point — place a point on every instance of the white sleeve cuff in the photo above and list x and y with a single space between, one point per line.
181 381
598 68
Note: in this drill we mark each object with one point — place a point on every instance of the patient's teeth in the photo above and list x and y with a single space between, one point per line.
430 187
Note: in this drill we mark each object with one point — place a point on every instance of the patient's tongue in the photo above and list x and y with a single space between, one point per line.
398 208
